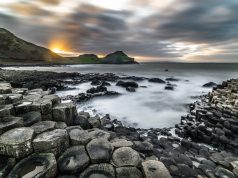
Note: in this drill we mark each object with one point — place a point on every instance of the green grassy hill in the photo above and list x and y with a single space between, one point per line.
14 49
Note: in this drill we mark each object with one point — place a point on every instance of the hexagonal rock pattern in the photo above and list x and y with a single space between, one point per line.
5 88
79 137
128 172
43 126
36 165
55 141
17 142
99 150
98 133
117 143
126 156
65 112
102 170
8 123
73 160
155 169
53 98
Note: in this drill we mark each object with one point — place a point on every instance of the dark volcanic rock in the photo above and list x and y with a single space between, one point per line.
210 84
11 122
127 84
128 172
42 165
156 80
126 156
6 165
102 170
55 141
99 150
17 142
73 160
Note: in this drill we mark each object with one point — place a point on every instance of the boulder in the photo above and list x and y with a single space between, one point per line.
102 170
65 112
171 79
99 150
6 165
8 123
17 142
126 156
73 160
43 126
55 141
82 120
42 165
155 169
210 84
156 80
126 84
31 118
128 172
169 87
143 147
13 98
95 121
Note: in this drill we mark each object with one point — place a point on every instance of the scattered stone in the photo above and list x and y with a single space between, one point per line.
130 89
210 84
95 121
155 169
171 79
126 156
102 170
43 126
73 160
128 172
99 150
156 80
17 142
55 141
127 84
6 110
36 165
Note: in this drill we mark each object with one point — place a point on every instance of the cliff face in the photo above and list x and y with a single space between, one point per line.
15 49
118 57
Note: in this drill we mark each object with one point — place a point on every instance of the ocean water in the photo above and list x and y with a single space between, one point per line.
151 106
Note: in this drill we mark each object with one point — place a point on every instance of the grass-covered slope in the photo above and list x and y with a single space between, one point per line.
118 57
85 59
14 49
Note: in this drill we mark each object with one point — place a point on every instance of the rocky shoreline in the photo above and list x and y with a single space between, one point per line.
41 136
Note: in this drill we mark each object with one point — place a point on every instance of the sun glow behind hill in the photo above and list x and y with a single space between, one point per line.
62 48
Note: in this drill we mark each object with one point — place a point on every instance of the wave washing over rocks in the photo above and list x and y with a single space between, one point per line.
42 137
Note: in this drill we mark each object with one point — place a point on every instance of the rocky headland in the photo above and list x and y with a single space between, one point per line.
42 136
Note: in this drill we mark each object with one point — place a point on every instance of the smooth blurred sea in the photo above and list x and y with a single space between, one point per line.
152 106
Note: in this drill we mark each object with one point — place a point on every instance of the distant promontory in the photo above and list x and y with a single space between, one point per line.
14 50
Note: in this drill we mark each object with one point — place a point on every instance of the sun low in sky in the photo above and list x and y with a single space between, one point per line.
152 30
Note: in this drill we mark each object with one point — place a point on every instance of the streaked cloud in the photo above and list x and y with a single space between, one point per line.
175 30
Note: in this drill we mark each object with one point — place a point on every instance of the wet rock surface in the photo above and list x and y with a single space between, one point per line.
37 129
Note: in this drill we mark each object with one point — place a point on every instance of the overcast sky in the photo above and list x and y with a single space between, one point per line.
162 30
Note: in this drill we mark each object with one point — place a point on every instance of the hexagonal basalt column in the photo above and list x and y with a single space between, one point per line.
55 141
41 165
17 142
65 112
11 122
